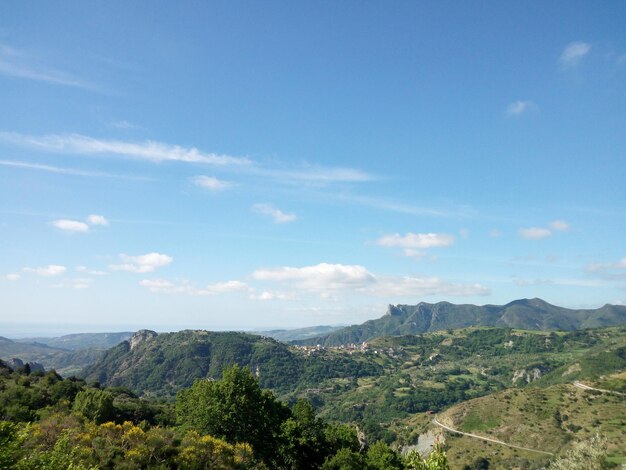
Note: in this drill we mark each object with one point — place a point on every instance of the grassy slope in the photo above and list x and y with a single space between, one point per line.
548 419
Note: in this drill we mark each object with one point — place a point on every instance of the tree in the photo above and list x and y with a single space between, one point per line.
437 460
94 404
345 459
304 444
235 409
381 457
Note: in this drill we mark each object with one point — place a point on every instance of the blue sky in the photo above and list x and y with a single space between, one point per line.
239 165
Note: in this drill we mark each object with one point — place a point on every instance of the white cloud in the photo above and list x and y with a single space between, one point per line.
142 264
152 151
314 174
519 107
323 276
123 124
160 285
187 288
160 152
594 267
68 171
538 233
573 54
93 272
423 286
13 277
94 219
15 63
535 233
273 295
47 271
416 240
560 226
211 183
495 233
71 225
224 287
279 216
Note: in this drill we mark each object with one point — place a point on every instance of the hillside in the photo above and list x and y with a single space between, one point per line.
390 379
433 371
298 333
66 362
81 340
548 419
525 314
161 364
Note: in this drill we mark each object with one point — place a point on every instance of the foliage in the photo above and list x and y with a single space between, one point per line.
235 409
94 404
436 460
583 456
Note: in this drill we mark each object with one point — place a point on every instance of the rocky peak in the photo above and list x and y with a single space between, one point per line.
141 336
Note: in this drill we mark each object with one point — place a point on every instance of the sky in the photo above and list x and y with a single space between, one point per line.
248 165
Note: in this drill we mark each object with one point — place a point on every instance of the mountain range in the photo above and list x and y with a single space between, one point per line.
524 314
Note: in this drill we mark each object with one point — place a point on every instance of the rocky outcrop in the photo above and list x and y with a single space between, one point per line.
140 337
529 375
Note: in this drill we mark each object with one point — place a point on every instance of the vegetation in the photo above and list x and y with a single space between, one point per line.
228 424
198 399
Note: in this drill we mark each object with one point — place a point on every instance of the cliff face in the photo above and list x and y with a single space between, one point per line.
140 337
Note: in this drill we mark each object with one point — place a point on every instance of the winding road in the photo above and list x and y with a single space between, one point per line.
576 384
582 386
488 439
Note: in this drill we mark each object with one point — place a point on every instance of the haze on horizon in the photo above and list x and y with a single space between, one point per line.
238 165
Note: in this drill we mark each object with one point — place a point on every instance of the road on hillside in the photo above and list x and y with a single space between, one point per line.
488 439
582 386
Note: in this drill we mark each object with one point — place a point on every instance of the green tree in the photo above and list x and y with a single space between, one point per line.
304 443
345 459
94 404
382 457
437 460
10 444
235 409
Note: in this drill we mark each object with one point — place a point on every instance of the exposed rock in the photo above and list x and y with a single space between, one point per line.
424 445
140 337
572 369
15 363
527 375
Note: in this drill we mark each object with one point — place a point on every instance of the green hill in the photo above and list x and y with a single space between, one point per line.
161 364
549 419
525 314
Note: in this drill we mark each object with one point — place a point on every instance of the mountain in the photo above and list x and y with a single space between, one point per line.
161 364
65 362
525 314
28 352
299 333
67 354
81 340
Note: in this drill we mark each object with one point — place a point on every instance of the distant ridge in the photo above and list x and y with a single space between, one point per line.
525 314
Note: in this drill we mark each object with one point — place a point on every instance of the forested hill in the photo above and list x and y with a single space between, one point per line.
525 314
161 364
